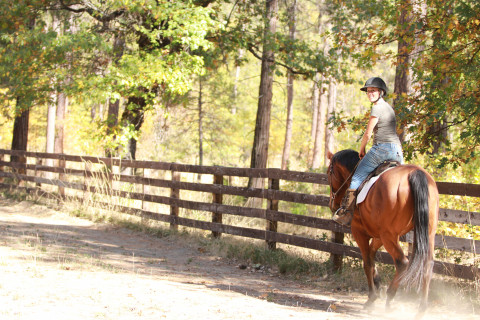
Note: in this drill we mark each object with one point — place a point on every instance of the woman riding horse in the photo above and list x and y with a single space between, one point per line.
402 199
386 145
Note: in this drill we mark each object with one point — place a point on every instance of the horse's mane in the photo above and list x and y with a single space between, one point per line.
347 158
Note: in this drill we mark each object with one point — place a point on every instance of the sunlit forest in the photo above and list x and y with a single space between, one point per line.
181 81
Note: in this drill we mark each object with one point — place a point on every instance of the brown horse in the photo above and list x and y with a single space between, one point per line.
402 199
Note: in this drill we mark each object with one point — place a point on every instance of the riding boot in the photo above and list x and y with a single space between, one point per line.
344 214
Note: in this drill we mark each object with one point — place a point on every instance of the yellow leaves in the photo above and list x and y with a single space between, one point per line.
449 34
459 230
452 25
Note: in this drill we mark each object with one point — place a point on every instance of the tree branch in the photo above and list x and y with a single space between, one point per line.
203 3
93 12
470 61
293 71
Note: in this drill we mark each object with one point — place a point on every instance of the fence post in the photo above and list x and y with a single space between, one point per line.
217 198
1 167
273 184
145 187
337 259
38 162
87 182
61 177
18 160
174 194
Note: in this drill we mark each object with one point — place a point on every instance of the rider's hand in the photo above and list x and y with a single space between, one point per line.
362 153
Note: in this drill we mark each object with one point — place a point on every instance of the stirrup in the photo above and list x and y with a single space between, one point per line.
344 218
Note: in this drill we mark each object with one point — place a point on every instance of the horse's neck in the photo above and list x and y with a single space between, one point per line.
346 174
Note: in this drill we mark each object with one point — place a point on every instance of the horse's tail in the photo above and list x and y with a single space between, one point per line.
420 264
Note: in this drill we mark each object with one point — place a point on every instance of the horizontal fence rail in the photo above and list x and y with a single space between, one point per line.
75 172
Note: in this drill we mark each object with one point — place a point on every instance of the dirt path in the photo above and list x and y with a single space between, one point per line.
52 264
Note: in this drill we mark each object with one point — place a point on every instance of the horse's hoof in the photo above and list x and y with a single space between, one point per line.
369 304
421 311
388 306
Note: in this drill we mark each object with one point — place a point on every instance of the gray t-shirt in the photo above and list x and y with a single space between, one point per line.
386 129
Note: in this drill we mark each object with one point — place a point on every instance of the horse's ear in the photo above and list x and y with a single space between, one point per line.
329 155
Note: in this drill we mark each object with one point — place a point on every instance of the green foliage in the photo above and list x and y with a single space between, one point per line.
442 39
299 209
35 59
207 44
23 59
162 40
449 76
170 63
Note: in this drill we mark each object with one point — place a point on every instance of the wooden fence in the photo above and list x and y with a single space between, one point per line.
72 174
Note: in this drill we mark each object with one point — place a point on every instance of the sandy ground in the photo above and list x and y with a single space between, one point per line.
53 265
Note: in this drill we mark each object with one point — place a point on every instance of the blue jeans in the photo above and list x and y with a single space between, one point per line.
374 157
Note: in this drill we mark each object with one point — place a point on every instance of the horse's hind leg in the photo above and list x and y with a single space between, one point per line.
401 262
427 277
425 287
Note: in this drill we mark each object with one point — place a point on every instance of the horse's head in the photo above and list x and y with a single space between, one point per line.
339 172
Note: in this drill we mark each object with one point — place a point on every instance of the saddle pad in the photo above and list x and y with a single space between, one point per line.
363 193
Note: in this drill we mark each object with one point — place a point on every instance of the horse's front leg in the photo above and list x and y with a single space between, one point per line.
374 246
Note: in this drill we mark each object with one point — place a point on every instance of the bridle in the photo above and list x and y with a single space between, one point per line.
330 173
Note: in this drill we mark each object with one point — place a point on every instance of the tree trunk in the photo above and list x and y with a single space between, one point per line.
438 131
318 104
289 124
20 124
112 122
403 81
332 102
52 109
200 124
320 132
133 115
114 105
62 99
59 134
20 135
235 85
262 124
50 143
93 112
315 100
290 79
60 122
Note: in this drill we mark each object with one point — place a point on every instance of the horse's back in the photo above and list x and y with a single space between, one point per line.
389 204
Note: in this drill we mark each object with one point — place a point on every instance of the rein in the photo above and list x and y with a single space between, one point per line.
334 194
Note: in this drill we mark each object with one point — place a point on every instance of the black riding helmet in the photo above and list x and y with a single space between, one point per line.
375 82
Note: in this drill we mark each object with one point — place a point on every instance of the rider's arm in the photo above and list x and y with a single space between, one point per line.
367 135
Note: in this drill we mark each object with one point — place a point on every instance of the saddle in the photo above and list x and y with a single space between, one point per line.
388 164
